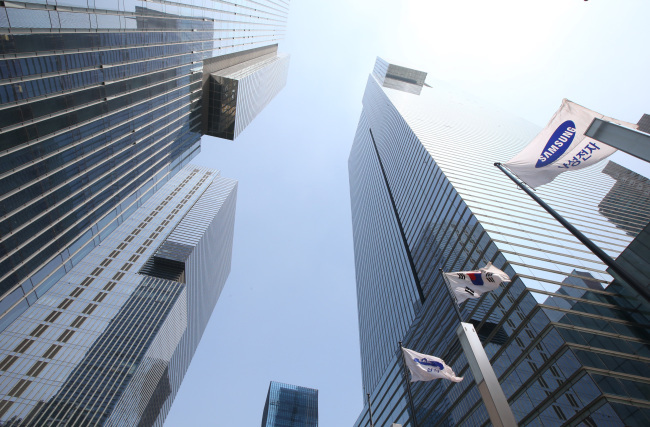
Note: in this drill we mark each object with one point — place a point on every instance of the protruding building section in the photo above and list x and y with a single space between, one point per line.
290 406
397 77
238 87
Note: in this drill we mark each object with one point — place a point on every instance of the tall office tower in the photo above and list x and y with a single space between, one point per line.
101 102
110 342
567 346
290 406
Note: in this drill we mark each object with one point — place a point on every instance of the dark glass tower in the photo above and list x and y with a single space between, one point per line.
621 205
568 345
110 342
290 406
100 105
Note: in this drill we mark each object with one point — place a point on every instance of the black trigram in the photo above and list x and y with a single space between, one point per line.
488 277
469 291
461 276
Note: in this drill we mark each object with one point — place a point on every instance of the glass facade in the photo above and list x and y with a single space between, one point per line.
569 346
290 406
636 257
239 92
631 191
100 104
110 342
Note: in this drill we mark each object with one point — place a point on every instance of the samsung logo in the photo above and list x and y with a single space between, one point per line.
557 144
433 363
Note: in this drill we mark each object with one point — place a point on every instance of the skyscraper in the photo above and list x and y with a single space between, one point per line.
630 188
290 406
567 345
101 103
110 342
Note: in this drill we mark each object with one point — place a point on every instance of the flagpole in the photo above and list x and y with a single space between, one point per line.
487 383
581 237
408 386
451 295
370 410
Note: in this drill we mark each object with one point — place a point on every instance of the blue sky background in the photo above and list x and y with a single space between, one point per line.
288 311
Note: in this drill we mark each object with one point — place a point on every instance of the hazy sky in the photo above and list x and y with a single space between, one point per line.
288 311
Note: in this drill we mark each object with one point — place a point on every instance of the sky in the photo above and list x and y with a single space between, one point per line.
288 310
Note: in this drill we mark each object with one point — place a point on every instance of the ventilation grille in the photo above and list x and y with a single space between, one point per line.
164 269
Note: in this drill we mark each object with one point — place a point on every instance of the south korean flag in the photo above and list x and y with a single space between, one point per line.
472 284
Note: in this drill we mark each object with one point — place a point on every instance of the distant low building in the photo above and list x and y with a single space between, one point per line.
290 406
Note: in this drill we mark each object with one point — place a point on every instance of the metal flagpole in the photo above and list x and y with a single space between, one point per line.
488 385
583 239
370 410
408 386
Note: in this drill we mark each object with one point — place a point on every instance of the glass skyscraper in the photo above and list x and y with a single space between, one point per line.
101 103
113 250
568 345
110 342
290 406
630 188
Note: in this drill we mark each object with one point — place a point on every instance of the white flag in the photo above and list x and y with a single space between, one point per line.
562 146
473 284
427 368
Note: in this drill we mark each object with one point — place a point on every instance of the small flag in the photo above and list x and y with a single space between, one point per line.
427 368
562 146
473 284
